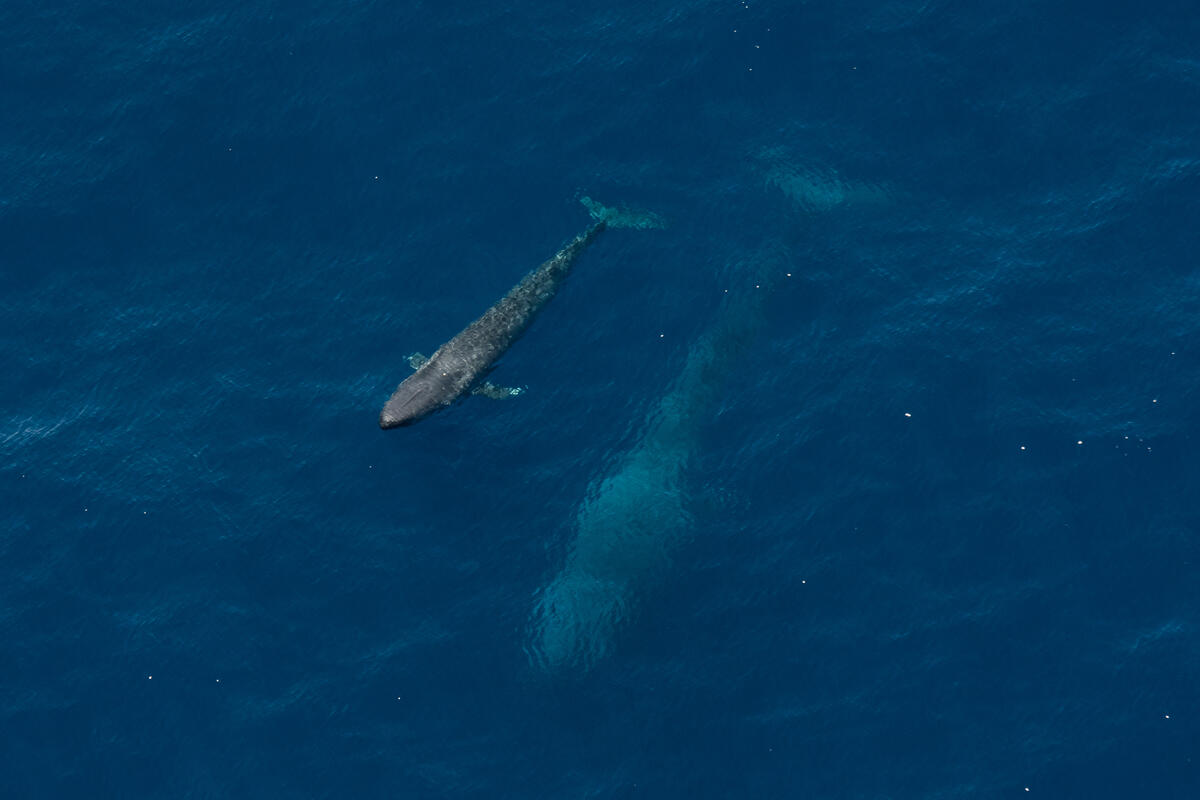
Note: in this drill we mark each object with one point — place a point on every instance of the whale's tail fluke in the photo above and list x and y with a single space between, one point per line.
622 217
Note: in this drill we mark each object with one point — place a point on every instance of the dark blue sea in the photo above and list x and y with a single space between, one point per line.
871 473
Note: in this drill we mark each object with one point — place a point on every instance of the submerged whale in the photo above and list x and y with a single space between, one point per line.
637 515
459 365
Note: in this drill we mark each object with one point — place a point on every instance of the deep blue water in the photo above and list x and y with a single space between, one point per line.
917 517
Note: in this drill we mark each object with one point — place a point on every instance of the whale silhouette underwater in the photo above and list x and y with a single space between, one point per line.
636 516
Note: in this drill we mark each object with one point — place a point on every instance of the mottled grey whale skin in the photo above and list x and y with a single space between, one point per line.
460 363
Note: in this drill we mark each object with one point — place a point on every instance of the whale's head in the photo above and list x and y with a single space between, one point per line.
422 393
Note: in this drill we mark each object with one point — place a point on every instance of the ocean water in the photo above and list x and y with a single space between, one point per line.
871 475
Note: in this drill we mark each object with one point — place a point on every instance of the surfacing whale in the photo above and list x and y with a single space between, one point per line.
459 365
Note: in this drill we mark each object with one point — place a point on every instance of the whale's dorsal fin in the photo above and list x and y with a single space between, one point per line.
418 360
489 389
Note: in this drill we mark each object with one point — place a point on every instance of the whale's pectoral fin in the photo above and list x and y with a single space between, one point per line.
489 389
418 360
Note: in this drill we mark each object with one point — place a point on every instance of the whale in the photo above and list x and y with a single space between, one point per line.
636 514
459 365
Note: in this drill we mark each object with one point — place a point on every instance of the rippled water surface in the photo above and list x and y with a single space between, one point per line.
871 475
